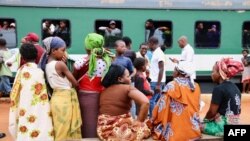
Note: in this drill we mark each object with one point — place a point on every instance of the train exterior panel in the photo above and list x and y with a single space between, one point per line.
82 21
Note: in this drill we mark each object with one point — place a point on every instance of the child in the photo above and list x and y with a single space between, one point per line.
246 72
226 98
141 83
120 59
30 115
5 71
64 102
120 48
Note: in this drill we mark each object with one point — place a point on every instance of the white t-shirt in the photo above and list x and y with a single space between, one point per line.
157 57
187 54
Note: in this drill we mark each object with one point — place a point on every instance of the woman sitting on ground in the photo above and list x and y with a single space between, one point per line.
176 115
115 121
226 98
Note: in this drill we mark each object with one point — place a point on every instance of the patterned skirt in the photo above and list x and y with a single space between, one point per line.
121 127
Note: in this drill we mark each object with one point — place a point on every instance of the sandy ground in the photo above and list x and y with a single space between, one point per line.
245 116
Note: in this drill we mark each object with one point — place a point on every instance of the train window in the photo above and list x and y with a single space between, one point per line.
8 32
110 29
60 28
161 30
207 34
246 34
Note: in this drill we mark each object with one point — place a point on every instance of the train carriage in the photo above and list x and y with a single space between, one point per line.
230 17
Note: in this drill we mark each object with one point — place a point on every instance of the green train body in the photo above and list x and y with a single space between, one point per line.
82 21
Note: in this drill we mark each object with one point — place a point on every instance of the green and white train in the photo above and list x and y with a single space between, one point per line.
182 17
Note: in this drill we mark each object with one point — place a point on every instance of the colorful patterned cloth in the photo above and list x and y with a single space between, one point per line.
229 68
30 115
176 115
216 127
121 128
66 114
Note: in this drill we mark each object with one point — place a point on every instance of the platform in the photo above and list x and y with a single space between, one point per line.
244 117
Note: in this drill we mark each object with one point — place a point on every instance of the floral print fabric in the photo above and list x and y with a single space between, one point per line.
30 115
176 115
121 128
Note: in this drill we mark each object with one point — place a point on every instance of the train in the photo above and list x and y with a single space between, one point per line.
230 17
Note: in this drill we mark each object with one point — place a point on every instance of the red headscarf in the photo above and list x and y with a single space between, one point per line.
229 68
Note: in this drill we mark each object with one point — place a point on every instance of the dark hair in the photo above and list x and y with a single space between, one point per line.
2 42
153 40
150 21
246 50
139 62
145 44
117 41
127 40
111 78
28 51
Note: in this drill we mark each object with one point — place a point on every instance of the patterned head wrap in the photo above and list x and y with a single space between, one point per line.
186 68
53 43
50 43
228 68
94 42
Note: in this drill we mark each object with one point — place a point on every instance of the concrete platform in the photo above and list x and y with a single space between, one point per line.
244 117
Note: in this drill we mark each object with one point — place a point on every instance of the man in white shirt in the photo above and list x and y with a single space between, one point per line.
187 53
157 71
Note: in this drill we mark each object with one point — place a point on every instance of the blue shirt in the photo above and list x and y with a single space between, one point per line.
125 62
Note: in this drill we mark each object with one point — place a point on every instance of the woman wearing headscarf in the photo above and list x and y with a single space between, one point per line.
64 102
176 115
90 85
225 104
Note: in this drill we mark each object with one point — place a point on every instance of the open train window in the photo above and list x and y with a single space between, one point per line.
57 27
110 29
246 34
207 34
8 32
162 30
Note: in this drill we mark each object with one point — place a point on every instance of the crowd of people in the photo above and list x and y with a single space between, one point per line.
119 96
8 26
207 36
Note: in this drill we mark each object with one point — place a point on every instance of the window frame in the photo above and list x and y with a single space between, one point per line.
56 20
207 27
105 23
161 23
10 20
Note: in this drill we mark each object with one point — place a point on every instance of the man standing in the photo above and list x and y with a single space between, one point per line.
187 53
129 53
31 38
157 71
112 30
